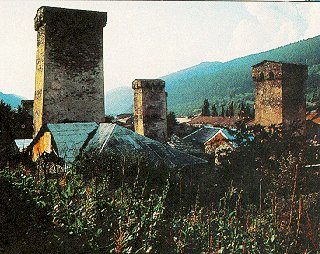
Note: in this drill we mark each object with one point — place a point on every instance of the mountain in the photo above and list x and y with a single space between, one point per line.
119 100
231 81
11 99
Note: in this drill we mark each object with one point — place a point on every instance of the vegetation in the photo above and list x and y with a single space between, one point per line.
261 200
171 123
231 81
205 108
14 124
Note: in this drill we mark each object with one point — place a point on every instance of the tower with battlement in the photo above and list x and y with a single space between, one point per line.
150 108
280 93
69 85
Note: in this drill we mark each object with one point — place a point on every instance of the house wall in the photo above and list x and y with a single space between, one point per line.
150 108
217 141
69 84
42 146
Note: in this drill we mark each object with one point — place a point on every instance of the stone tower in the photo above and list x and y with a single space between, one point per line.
280 93
69 83
150 108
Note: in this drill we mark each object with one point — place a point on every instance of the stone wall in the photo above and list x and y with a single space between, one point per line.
150 108
280 93
69 66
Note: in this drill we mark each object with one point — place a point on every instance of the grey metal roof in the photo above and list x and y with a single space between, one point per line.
199 137
68 138
202 135
112 137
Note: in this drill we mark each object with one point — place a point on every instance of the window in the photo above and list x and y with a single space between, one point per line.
271 75
261 76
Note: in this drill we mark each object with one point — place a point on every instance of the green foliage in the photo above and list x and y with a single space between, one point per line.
14 124
205 108
171 122
108 203
232 80
214 111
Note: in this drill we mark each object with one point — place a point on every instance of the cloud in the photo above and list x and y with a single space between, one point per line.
311 14
270 25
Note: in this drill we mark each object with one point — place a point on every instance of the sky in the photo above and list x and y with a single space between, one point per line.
151 39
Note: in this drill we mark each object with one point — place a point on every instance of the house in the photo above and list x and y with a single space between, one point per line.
209 138
115 138
313 126
217 121
62 139
67 140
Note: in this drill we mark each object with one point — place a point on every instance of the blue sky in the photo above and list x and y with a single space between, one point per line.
152 39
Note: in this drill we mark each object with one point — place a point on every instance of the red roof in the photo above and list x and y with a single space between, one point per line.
215 120
314 117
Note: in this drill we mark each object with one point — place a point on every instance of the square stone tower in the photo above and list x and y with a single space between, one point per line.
69 85
150 108
280 93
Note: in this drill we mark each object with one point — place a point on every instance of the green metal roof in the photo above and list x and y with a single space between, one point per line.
68 138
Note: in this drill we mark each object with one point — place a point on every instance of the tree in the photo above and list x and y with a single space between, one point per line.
171 122
222 110
205 108
231 109
242 112
214 111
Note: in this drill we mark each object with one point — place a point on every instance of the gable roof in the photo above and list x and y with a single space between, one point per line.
112 137
202 135
67 138
314 117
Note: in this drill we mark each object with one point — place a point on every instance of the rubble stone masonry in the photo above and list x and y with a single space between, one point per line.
150 108
280 93
69 84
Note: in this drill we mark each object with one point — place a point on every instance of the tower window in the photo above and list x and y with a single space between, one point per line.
271 75
261 76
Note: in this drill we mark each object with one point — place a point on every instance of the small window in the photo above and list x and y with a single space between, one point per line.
261 76
271 75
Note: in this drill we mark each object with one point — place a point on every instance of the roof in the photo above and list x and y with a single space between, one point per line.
22 143
278 62
68 138
114 138
202 135
215 120
314 117
206 133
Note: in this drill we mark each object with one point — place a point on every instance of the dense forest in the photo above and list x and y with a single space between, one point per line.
223 82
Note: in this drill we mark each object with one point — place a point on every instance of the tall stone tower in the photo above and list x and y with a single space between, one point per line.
69 83
150 108
280 93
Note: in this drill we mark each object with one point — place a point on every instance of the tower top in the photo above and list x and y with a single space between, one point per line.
148 83
278 62
73 17
270 70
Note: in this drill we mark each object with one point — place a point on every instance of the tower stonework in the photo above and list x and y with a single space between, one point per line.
69 84
150 108
280 93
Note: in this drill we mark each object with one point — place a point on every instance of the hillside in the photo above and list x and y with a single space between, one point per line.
232 80
223 82
11 99
119 100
